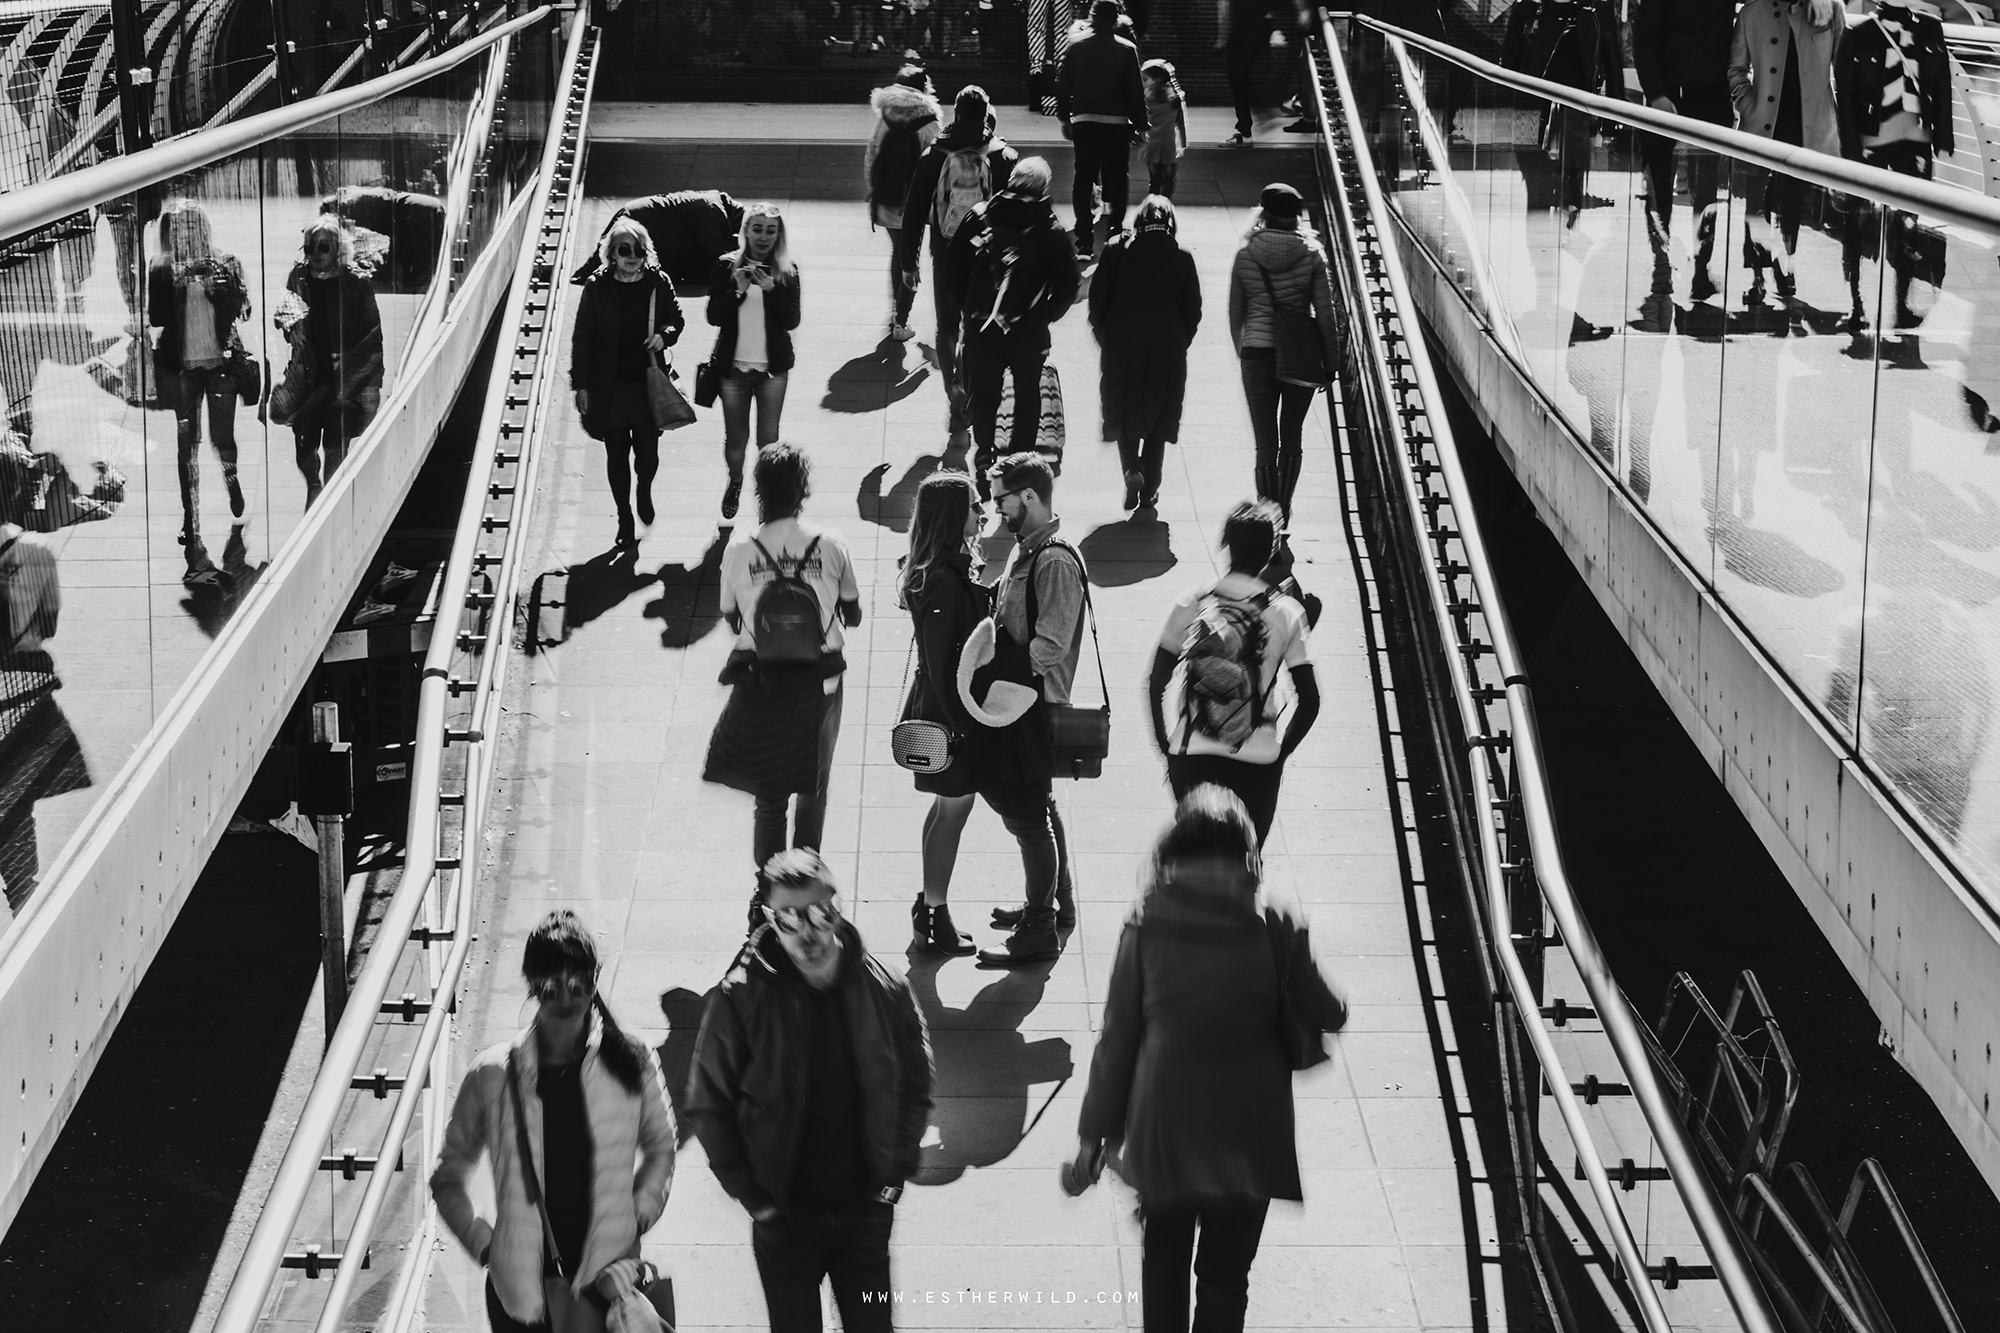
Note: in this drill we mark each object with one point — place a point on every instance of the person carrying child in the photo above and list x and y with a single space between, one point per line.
1166 126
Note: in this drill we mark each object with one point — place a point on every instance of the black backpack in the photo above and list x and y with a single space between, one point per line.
786 626
896 162
1006 278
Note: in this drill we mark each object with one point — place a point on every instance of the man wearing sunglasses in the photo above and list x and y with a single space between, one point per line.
810 1091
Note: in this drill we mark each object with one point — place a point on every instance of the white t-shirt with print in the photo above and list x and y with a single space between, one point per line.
830 574
1286 645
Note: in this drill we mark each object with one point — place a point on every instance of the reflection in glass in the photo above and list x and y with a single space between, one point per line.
334 328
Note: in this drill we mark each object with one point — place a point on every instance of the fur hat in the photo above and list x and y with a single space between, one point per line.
1006 702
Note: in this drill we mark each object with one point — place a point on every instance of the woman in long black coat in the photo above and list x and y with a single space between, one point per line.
1191 1083
1145 305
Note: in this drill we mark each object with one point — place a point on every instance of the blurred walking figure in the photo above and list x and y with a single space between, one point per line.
1145 305
628 313
572 1118
1781 83
906 123
40 755
788 590
1191 1084
956 174
1280 297
753 300
1229 650
1166 127
195 297
1101 101
342 329
810 1091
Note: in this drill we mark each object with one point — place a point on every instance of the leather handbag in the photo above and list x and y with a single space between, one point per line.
707 383
247 372
1079 738
919 743
670 407
569 1312
1301 1039
1301 352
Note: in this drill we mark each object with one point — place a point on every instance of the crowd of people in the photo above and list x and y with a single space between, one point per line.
812 1076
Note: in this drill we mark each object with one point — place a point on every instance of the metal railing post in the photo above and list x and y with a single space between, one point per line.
135 77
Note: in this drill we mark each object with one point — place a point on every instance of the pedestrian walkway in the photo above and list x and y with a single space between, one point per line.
602 808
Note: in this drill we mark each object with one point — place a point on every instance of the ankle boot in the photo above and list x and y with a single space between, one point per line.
1032 941
931 929
1008 917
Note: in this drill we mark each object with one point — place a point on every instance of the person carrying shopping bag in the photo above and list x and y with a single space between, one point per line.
573 1120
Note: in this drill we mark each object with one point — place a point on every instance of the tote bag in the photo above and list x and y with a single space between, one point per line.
671 409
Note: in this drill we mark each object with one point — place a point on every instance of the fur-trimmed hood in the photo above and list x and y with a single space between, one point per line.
900 105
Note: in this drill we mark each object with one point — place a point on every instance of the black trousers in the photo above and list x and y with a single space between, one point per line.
1103 156
1277 423
1231 1226
1256 785
850 1248
629 438
1146 456
1246 42
948 318
1705 104
984 359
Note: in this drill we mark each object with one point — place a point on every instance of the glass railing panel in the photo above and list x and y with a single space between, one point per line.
1929 641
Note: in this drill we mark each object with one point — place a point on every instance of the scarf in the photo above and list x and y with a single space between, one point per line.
1900 89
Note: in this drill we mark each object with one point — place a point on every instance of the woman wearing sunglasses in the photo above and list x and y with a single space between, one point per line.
572 1117
342 334
628 313
753 301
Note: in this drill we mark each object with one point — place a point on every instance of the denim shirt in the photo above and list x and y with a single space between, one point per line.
1058 604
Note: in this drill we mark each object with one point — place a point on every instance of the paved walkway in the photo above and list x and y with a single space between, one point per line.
603 809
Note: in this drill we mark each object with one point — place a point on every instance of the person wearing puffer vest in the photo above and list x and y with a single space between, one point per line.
1012 270
1281 260
907 121
973 125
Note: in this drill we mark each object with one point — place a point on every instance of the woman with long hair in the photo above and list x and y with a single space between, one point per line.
1280 270
196 296
945 601
627 315
342 334
1145 305
1191 1083
592 1099
753 301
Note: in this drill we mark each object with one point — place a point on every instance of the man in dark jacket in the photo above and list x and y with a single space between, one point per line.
810 1092
1013 275
691 229
947 175
1099 99
1681 48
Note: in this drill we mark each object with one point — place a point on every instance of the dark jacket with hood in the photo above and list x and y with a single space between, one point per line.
747 1091
1041 286
899 109
1295 267
1100 77
166 307
919 209
1145 305
1682 45
781 315
594 342
1189 1075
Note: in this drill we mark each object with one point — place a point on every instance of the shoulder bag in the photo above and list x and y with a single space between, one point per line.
1301 1039
567 1311
1301 350
671 409
707 383
918 743
1080 737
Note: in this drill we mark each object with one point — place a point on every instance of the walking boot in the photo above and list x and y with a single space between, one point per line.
1134 484
732 496
626 535
1033 941
644 504
931 930
1008 917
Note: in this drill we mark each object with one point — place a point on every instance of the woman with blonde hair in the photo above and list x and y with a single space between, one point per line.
341 333
753 301
195 297
628 314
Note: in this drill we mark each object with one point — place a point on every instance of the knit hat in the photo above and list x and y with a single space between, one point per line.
1282 201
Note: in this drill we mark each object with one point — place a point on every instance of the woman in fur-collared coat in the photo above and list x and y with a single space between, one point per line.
906 122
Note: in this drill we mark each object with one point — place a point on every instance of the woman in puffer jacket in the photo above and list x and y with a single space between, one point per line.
906 123
592 1100
1280 267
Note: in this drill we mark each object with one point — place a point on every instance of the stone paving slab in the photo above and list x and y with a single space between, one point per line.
602 808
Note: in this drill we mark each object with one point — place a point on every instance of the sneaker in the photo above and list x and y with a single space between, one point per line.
1029 943
902 333
1302 126
732 495
394 577
372 611
1236 140
1083 245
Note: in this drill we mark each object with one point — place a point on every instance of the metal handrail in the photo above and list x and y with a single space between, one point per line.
1621 1026
1906 193
47 201
348 1043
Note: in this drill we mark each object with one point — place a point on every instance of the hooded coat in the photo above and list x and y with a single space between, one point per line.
1296 268
1190 1076
919 214
897 108
1042 286
747 1091
1145 305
